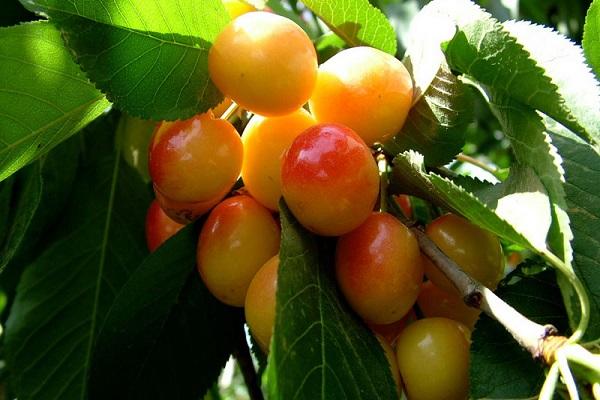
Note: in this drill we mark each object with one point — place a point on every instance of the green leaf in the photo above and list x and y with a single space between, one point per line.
6 194
409 176
133 137
499 368
522 201
319 350
328 45
591 36
44 99
163 338
64 295
307 23
357 22
582 170
520 61
564 63
44 187
424 56
532 147
436 124
149 57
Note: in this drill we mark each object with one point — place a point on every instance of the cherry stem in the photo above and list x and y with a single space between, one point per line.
478 163
230 112
244 359
528 334
382 165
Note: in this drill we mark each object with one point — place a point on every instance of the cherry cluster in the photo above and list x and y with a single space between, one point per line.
321 163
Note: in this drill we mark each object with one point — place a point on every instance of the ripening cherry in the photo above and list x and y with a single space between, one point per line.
186 212
237 239
433 358
365 89
265 141
477 251
195 160
405 205
329 179
264 62
260 303
159 227
378 268
390 332
435 302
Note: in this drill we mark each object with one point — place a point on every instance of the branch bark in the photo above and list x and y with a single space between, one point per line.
530 335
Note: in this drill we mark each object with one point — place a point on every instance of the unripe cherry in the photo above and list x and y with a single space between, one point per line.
433 358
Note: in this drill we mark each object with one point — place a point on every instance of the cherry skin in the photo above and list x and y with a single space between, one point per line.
390 332
435 302
195 160
475 250
378 268
329 179
265 141
433 358
159 227
405 205
366 89
264 62
260 303
186 212
237 239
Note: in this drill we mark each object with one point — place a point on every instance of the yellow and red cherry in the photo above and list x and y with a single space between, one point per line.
264 62
260 303
238 237
186 212
378 269
366 89
435 302
390 332
195 160
265 141
477 251
329 179
159 227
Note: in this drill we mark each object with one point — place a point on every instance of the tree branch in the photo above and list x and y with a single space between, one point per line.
244 359
527 333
